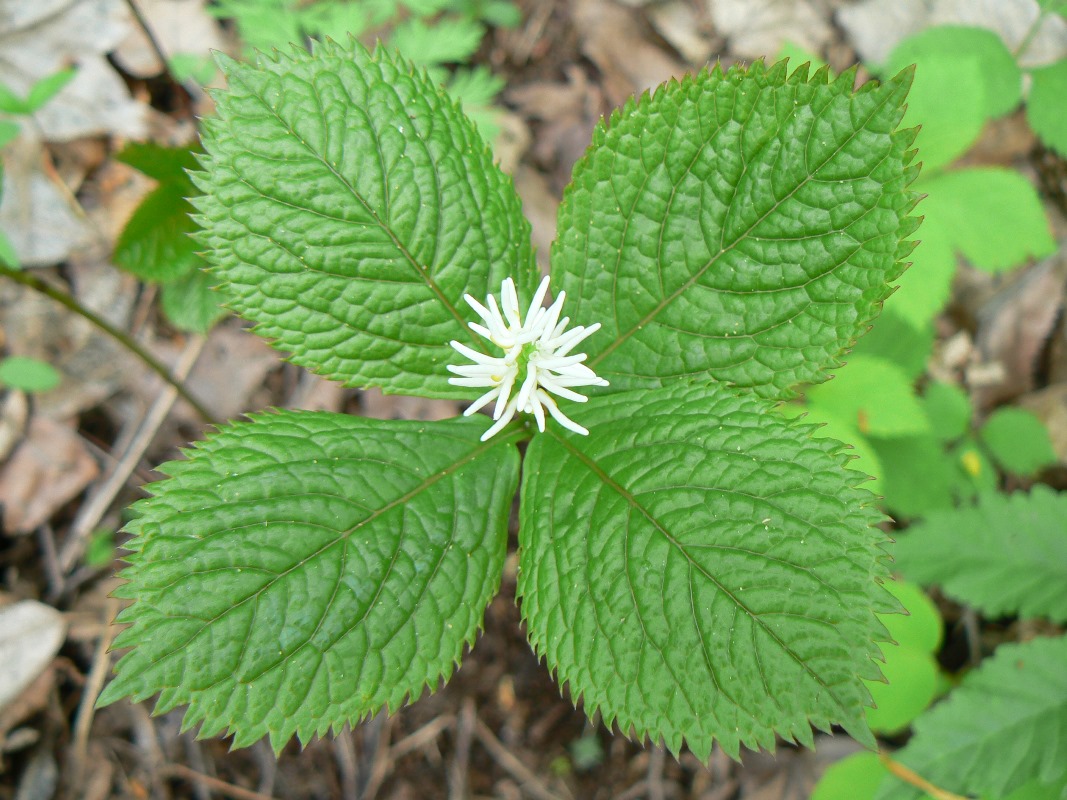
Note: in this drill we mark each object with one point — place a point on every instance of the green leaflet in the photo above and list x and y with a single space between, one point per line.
156 243
743 226
1002 727
348 205
1007 555
699 568
306 569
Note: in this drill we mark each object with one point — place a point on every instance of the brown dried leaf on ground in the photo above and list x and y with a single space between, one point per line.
567 113
180 27
876 27
30 636
373 403
686 27
37 212
48 469
228 377
1013 332
759 28
617 41
42 37
93 366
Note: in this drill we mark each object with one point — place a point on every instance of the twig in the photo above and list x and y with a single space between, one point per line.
655 773
94 508
530 782
157 48
457 772
344 755
83 721
423 736
376 734
917 781
123 338
220 786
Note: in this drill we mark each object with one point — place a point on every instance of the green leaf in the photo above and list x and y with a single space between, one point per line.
920 629
949 409
999 76
917 475
698 568
1044 106
157 244
911 681
1002 727
1007 555
927 284
48 87
875 396
865 460
1018 440
306 569
948 101
8 256
191 303
894 338
447 41
11 103
856 777
911 674
742 226
974 474
993 216
28 374
164 164
8 131
348 207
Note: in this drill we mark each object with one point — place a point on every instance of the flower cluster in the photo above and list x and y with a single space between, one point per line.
535 359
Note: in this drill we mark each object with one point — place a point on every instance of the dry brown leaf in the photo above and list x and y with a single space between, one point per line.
38 214
614 39
686 28
568 113
48 469
178 26
373 403
93 366
1013 331
876 26
30 636
42 37
759 28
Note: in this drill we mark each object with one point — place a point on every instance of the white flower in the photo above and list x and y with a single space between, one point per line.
535 359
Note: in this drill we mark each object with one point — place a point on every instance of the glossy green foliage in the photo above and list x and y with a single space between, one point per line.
701 569
156 244
306 569
1001 728
964 76
992 216
741 226
1017 440
28 374
38 96
348 206
1006 555
874 395
1044 105
698 569
910 671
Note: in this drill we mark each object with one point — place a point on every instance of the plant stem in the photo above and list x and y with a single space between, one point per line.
915 780
123 338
